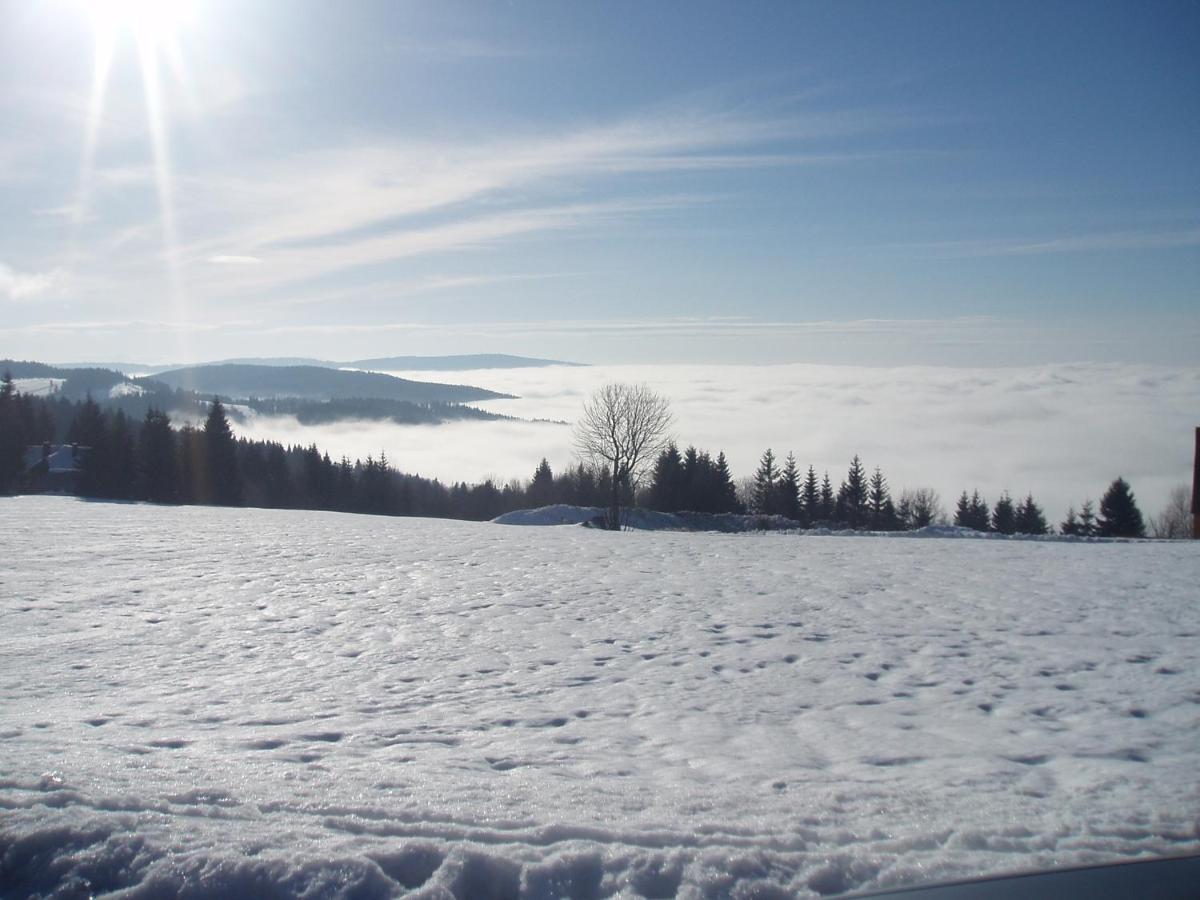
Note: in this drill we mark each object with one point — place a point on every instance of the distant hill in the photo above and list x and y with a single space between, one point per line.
459 363
316 382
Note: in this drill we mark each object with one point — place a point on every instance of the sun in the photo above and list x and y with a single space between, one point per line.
152 23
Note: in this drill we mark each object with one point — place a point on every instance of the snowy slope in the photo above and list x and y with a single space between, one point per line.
207 702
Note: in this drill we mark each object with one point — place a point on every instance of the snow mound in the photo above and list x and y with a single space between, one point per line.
557 514
644 519
203 702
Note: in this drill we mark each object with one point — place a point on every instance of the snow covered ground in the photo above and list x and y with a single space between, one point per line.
208 702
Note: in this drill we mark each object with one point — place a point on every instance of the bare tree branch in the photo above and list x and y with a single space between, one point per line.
622 429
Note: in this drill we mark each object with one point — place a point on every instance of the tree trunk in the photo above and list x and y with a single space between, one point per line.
614 502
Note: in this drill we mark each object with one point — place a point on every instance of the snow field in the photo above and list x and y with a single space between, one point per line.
206 702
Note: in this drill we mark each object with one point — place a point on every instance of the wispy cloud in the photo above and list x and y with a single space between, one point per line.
332 210
1078 243
15 285
234 260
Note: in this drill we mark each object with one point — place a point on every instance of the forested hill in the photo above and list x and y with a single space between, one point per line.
315 382
456 363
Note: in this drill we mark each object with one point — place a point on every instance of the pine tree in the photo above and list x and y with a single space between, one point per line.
810 500
1030 519
766 488
1119 513
1004 519
789 489
852 496
1070 525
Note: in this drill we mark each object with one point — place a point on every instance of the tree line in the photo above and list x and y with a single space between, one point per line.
153 460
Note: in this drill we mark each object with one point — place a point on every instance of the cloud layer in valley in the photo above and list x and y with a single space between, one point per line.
1062 432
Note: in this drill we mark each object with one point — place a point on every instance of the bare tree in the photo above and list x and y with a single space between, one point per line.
623 428
1176 520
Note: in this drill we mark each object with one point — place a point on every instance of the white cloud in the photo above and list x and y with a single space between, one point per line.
1076 243
15 285
1062 432
231 259
324 211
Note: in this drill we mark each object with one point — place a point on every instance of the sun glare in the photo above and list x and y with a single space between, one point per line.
152 22
153 26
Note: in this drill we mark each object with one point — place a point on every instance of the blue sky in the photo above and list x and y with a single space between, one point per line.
852 182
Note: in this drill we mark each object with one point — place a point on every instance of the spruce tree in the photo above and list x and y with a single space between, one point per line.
810 500
1004 519
12 437
726 491
882 512
980 517
1070 524
827 499
1087 520
852 496
1030 519
159 467
667 480
224 482
541 488
972 512
789 489
1119 513
962 512
766 488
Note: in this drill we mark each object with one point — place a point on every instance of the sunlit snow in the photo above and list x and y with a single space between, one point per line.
199 701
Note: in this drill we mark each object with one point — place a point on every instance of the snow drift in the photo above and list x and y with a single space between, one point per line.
214 702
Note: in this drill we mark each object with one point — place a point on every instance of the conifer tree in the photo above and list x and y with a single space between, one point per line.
541 489
827 499
881 511
810 499
852 496
962 512
120 464
1087 520
789 489
1030 519
1070 525
667 481
277 478
1119 513
159 467
725 490
12 436
766 487
224 482
972 512
1004 519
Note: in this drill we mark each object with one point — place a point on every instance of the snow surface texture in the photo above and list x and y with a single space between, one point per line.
207 702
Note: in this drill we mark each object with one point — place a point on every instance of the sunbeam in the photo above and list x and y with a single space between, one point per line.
153 26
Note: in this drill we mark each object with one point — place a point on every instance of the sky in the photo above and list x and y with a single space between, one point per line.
994 184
